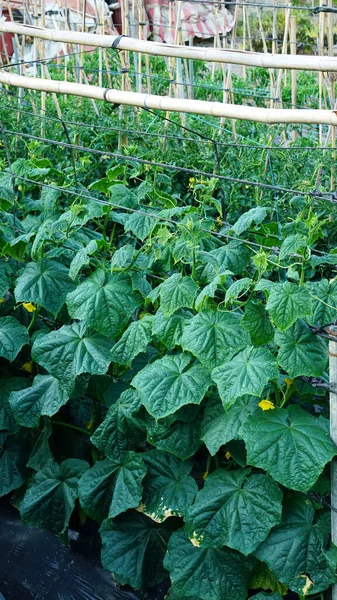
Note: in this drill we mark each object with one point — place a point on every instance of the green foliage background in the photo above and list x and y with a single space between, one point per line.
145 314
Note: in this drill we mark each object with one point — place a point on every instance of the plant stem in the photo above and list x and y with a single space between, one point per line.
62 424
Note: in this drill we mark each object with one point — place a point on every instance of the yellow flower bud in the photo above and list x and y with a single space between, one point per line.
228 455
28 366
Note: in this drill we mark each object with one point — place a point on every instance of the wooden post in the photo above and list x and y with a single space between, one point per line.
293 73
333 433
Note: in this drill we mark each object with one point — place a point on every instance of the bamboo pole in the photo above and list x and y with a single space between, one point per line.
237 57
333 434
333 100
293 73
216 109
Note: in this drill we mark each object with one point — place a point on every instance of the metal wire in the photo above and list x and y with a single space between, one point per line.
329 196
169 137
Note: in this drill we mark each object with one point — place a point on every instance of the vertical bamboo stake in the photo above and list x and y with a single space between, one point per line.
320 76
333 433
244 33
43 94
293 72
332 89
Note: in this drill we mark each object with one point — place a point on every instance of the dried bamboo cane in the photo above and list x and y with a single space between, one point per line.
293 73
216 109
250 59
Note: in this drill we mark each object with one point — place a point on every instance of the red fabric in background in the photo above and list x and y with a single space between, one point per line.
6 42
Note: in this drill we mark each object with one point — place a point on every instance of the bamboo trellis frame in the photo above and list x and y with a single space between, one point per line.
165 103
237 57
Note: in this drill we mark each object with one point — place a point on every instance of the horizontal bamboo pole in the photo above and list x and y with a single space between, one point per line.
236 57
165 103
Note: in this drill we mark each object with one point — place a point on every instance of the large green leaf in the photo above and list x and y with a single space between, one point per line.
254 215
45 397
179 438
70 351
177 292
112 487
207 573
50 499
13 336
234 256
220 426
168 330
169 383
301 352
168 487
247 373
82 258
214 337
257 322
45 282
105 302
296 550
290 444
133 341
12 463
288 302
41 452
7 386
324 301
121 428
234 509
133 549
140 224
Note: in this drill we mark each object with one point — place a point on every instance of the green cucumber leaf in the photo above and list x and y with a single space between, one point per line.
105 302
82 259
122 428
133 341
301 351
207 573
220 426
177 292
50 499
169 383
233 257
325 303
70 351
168 330
254 215
133 549
12 463
290 444
209 290
247 373
292 244
41 452
45 397
45 283
296 551
168 487
112 487
141 225
257 322
234 509
237 289
214 337
13 336
7 386
288 302
179 439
